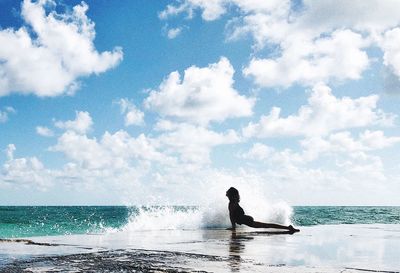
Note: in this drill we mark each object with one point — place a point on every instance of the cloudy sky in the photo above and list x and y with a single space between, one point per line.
170 102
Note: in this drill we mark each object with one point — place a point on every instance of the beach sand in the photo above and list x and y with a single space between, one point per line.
328 248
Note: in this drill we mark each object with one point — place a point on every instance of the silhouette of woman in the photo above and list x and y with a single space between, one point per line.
237 216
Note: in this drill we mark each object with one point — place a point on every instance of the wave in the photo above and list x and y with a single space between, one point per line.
204 217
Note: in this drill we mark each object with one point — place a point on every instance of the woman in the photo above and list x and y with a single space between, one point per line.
237 216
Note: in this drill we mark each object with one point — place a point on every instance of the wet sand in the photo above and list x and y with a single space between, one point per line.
341 248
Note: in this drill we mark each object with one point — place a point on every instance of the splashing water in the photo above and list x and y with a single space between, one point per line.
212 216
212 211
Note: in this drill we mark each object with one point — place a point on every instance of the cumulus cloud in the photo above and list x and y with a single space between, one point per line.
312 18
10 151
193 143
323 114
81 124
258 151
203 95
44 131
370 15
345 143
377 139
48 55
115 161
337 57
172 33
86 151
343 159
351 156
211 10
24 171
321 42
340 173
277 159
146 164
125 160
5 112
391 47
133 116
310 42
116 150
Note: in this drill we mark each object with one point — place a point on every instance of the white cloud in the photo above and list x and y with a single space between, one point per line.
310 41
338 162
81 124
133 116
295 177
44 131
24 171
10 151
323 114
113 151
391 47
191 144
344 143
121 144
194 143
369 15
211 10
4 114
323 41
377 139
83 150
312 18
138 164
266 24
275 158
51 60
339 57
203 95
174 32
337 143
258 151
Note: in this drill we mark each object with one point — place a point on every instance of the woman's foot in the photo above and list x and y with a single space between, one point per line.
292 229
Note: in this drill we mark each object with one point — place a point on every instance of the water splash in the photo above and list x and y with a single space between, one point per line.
204 217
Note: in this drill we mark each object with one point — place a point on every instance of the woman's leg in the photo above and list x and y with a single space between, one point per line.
255 224
268 225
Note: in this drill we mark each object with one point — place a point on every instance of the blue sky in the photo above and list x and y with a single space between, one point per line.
172 102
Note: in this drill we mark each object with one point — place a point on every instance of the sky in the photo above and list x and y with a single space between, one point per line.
172 102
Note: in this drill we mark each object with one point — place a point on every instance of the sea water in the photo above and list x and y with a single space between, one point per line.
32 221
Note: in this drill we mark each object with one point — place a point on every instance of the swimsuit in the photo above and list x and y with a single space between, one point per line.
241 218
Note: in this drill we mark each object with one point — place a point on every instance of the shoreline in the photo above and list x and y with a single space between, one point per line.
334 248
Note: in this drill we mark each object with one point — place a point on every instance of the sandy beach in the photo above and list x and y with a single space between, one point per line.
330 248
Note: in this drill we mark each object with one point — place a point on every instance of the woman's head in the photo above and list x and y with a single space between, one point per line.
233 194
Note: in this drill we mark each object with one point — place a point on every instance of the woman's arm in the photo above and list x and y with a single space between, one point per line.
231 216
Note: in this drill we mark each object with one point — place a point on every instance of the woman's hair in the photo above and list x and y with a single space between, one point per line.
232 194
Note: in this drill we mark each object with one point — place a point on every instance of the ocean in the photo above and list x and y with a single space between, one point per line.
33 221
195 239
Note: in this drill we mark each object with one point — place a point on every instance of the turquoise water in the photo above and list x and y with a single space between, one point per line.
41 221
336 215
